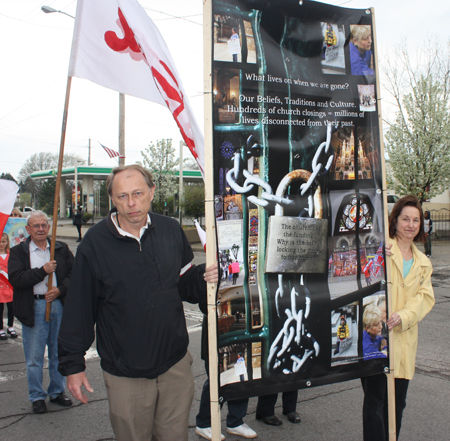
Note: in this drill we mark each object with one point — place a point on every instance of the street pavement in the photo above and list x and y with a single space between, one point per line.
328 413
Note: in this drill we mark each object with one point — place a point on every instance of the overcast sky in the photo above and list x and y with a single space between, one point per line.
36 49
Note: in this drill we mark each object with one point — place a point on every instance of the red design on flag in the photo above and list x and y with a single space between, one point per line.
165 80
8 193
174 99
127 42
105 30
112 153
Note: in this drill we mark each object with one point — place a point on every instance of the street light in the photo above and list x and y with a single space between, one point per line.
49 10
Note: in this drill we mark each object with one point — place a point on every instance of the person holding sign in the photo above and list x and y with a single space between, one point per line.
134 269
412 299
237 409
265 409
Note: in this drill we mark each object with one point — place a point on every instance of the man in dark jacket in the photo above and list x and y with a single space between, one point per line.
131 274
78 222
29 267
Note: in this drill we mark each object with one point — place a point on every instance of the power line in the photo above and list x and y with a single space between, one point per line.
34 24
180 17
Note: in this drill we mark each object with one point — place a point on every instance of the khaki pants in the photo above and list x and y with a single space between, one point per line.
158 410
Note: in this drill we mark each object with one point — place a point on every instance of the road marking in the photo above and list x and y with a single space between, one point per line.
194 328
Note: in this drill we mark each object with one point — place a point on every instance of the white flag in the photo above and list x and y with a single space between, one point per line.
116 45
8 193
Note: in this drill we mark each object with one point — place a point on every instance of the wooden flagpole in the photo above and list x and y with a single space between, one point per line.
57 190
211 253
387 266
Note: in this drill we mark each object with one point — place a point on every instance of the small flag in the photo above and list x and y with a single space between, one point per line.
8 193
376 270
112 153
367 266
379 255
380 249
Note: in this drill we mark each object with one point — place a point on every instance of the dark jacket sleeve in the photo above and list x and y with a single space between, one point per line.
64 260
192 286
21 276
79 316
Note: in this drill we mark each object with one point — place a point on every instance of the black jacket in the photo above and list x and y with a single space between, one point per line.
133 293
78 218
22 277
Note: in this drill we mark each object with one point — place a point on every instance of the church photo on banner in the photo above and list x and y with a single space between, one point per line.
298 175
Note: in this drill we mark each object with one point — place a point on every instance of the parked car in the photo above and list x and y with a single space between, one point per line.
27 210
391 200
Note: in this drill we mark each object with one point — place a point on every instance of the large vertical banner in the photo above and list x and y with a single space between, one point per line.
298 196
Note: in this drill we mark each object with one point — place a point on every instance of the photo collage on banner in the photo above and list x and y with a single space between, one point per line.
298 196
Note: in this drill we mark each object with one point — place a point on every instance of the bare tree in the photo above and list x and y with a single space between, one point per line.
403 69
45 161
42 161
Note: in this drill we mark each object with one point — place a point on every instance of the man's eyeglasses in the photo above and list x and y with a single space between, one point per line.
37 226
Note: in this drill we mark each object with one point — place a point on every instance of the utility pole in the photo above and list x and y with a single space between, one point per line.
121 128
181 190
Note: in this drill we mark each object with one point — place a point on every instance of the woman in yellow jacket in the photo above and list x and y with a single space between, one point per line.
412 298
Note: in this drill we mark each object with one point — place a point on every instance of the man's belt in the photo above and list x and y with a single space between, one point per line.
39 296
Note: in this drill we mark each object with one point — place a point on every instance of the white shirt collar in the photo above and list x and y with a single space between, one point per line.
126 233
34 247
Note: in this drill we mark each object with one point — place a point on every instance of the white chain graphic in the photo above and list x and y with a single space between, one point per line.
294 344
297 345
267 195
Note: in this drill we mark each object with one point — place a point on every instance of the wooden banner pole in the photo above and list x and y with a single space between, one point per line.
57 190
390 374
211 252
